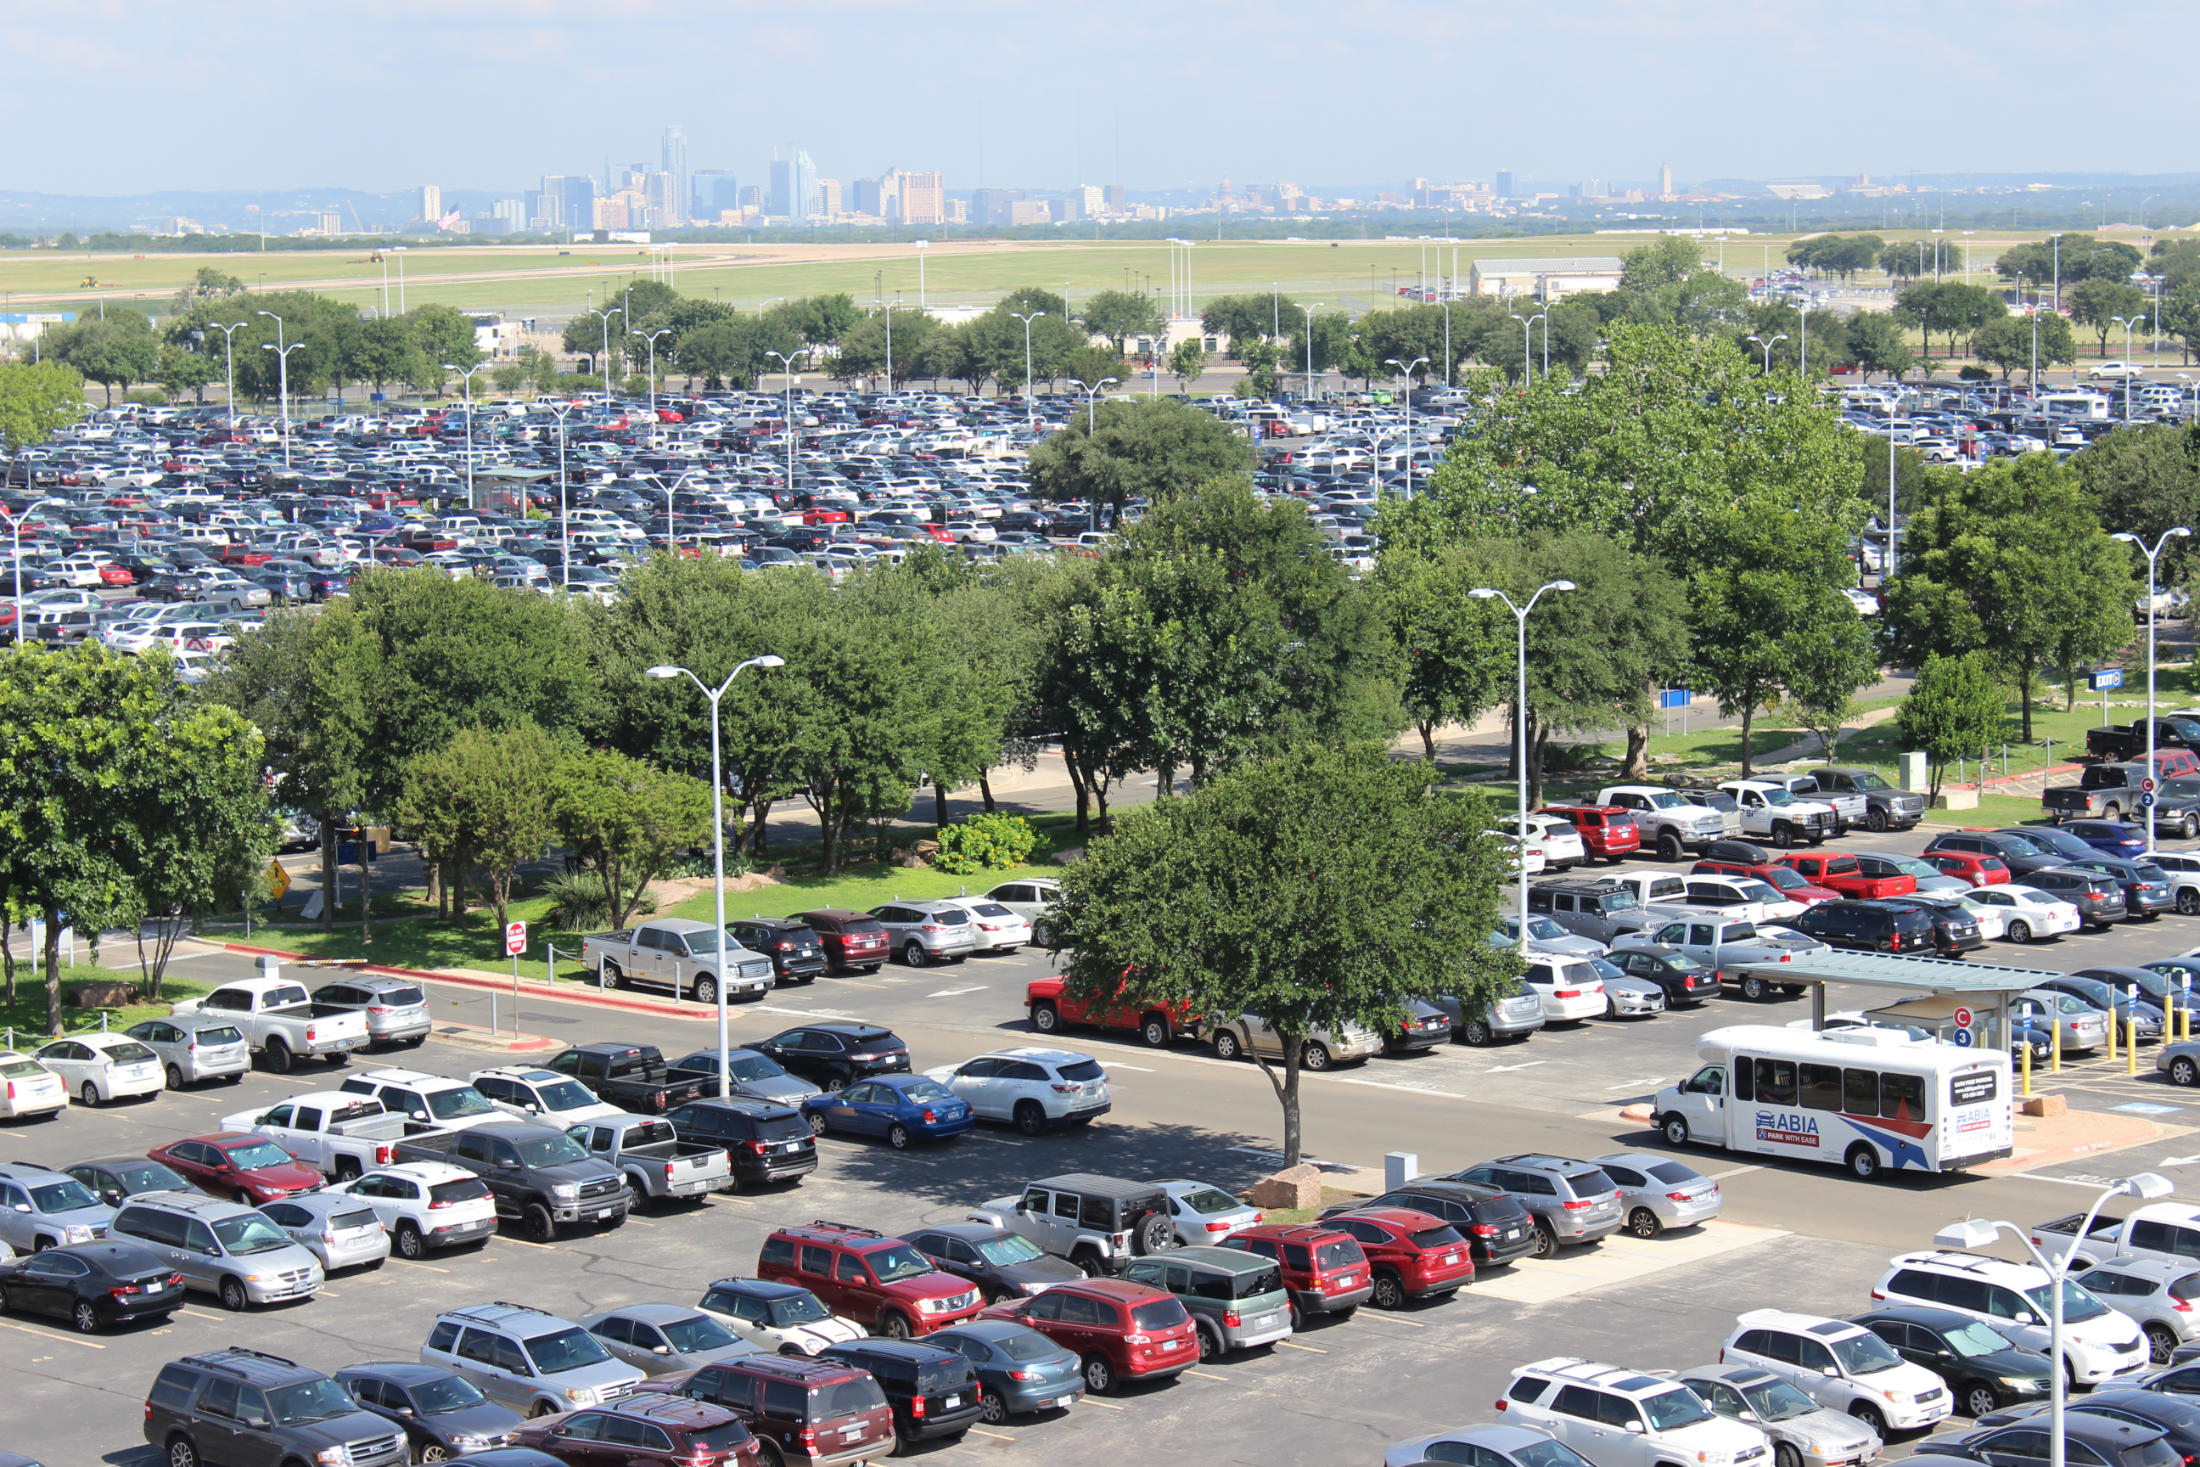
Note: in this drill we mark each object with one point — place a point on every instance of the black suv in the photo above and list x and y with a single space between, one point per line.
1870 926
796 953
1497 1228
768 1142
934 1392
2098 896
833 1055
1955 931
238 1405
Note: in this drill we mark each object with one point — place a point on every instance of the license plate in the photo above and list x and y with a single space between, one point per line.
1511 1233
951 1403
1172 1344
1451 1258
850 1433
604 1213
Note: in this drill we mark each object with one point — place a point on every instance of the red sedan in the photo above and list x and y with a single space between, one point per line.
1414 1255
111 574
239 1165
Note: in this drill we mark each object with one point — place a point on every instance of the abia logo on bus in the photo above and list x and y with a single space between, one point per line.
1786 1130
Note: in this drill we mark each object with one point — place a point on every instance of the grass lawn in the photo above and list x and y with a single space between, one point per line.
24 1019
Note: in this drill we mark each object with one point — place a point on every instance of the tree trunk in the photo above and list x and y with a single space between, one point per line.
1538 745
1287 1093
939 804
1749 716
53 972
1164 781
985 788
2025 672
1637 765
1428 742
328 871
1084 797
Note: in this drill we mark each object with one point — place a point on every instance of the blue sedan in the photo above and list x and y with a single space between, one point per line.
901 1108
2110 837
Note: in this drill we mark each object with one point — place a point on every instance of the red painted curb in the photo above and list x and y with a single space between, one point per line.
578 995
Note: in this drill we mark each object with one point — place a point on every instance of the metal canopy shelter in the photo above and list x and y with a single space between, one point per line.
1984 987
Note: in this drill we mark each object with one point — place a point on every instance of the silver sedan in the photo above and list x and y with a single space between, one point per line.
658 1339
1658 1192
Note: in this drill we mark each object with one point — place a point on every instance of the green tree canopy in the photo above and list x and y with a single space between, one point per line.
629 820
1141 448
37 399
1121 314
1954 711
484 799
2098 302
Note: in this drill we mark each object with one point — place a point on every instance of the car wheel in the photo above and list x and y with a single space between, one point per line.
992 1409
2188 899
1676 1130
1876 821
912 953
435 1452
1756 990
817 1123
241 1197
897 1136
235 1079
1046 1018
1389 1292
541 1409
1031 1117
706 989
89 1096
347 1169
613 974
2113 812
1089 1261
1643 1223
1314 1056
538 1224
1154 1234
278 1057
1475 1032
234 1299
1546 1241
2018 932
182 1452
1978 1400
1871 1416
1099 1375
894 1325
1784 1455
1227 1046
409 1242
1669 847
175 1078
86 1319
2189 827
2182 1071
1783 836
1155 1030
1863 1162
2161 1341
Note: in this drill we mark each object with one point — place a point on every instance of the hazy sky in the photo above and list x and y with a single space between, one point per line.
126 96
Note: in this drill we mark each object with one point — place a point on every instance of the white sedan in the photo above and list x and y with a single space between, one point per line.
1205 1214
2026 912
1561 843
999 929
28 1088
98 1068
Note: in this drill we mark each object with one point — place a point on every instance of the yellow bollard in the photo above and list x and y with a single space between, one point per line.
2112 1034
2054 1045
2025 1058
2131 1045
2184 1023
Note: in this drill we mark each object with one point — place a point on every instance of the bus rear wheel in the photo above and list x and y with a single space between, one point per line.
1863 1161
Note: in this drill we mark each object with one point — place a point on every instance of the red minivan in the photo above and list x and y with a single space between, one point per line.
854 942
1120 1330
1325 1270
1605 830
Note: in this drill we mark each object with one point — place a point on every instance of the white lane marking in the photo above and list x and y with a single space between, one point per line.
1417 1089
766 1008
1733 1172
1523 1065
1119 1065
958 992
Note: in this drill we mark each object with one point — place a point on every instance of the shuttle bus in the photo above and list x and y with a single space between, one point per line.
1867 1098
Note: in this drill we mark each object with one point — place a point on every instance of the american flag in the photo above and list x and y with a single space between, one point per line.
447 220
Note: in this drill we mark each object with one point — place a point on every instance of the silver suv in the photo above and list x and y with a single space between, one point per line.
532 1362
1572 1201
41 1208
927 932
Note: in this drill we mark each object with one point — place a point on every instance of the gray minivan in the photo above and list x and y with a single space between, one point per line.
1236 1299
224 1248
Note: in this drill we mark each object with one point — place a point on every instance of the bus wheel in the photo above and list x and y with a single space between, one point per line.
1863 1162
1676 1129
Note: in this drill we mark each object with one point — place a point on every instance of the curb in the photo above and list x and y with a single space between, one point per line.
527 987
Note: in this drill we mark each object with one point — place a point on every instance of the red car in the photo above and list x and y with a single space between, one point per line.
674 1431
854 942
817 1413
1785 880
1050 1005
1413 1254
111 574
1324 1269
1842 874
1120 1330
868 1276
240 1165
1605 830
1972 866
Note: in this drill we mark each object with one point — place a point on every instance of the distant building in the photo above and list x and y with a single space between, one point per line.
1545 279
672 153
794 186
711 192
1029 211
958 211
1115 198
1082 202
580 201
923 198
661 200
828 198
431 202
877 197
510 214
329 221
1504 183
992 205
1665 180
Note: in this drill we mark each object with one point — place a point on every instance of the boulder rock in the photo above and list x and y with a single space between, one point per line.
1298 1186
102 995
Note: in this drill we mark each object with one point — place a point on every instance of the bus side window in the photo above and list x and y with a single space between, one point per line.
1776 1081
1742 1088
1902 1097
1860 1092
1821 1087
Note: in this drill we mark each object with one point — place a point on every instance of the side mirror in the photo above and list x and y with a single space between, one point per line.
1634 1428
1749 1416
1831 1372
22 1207
660 1349
402 1410
2026 1319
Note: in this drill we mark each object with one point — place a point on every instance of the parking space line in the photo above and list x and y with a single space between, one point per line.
44 1335
328 1293
1103 1405
522 1243
981 1431
1119 1065
1295 1345
429 1267
1389 1319
1203 1375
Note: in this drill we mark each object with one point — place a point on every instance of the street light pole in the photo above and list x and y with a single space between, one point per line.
718 825
467 373
1527 343
565 523
15 534
786 365
2127 322
672 542
1978 1233
1309 310
282 378
1768 346
651 338
1032 413
604 366
1092 426
1405 389
2152 552
229 366
1520 730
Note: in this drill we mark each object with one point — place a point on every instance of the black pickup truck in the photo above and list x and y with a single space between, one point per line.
2129 741
2111 792
634 1077
539 1176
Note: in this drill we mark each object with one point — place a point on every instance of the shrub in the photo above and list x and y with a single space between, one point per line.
577 902
983 842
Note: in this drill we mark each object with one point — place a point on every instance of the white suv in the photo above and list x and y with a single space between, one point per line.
2099 1344
1841 1365
1031 1086
437 1101
426 1204
1626 1418
534 1094
1569 987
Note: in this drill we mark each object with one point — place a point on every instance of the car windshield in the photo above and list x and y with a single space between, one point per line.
2148 871
1976 1339
1546 1454
447 1393
1776 1400
311 1400
1862 1354
1209 1199
568 1349
2060 842
257 1155
1757 891
1869 781
1014 1248
146 1176
748 1065
62 1196
990 909
251 1233
129 1052
565 1095
703 941
1912 866
2077 1304
698 1332
1543 929
554 1150
1778 797
22 1069
1670 1410
925 1091
896 1263
801 1308
1665 800
453 1105
1784 878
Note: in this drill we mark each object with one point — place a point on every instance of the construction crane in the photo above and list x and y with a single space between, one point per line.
356 224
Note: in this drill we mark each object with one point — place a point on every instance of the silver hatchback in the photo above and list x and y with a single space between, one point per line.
196 1047
396 1008
1573 1202
928 932
335 1227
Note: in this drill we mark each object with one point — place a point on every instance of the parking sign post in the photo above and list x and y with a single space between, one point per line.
515 943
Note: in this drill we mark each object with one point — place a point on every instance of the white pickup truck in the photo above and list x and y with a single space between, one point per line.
338 1134
1770 810
2165 1230
281 1022
682 955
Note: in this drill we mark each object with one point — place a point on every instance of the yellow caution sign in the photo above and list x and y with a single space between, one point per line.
278 880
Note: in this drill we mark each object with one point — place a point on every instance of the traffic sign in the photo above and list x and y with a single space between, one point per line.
1963 1018
278 880
2146 802
2106 678
1963 1039
2146 783
515 938
1673 697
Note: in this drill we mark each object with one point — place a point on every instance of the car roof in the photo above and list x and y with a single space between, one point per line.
1037 1052
758 1288
404 1372
1789 1319
1733 1375
1094 1182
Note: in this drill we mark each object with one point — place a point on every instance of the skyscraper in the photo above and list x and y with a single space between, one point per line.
431 202
1504 183
1665 180
711 192
794 186
673 159
580 202
923 199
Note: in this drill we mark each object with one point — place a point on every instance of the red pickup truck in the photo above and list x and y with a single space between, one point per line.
1051 1005
1605 830
1842 874
1786 880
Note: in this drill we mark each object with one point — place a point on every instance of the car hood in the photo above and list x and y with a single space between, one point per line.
587 1170
1832 1433
486 1419
603 1374
696 1359
817 1334
2013 1364
785 1088
352 1426
1039 1273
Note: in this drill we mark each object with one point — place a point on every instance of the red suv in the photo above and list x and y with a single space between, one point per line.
643 1431
1051 1005
854 942
1413 1255
813 1412
1605 830
1325 1270
239 1164
1972 866
1120 1330
866 1275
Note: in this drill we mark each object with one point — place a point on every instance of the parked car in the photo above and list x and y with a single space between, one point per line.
748 1073
1236 1299
766 1141
98 1068
1606 831
1248 1033
682 955
1982 1368
1030 1086
853 942
900 1108
1411 1254
2157 1292
2148 891
1001 1263
1626 1418
540 1177
339 1230
1568 988
1205 1214
928 931
1487 1446
1020 1371
432 1102
1658 1192
426 1205
1684 981
2019 851
1096 1222
1804 1433
197 1412
865 1275
807 1413
1573 1202
241 1165
1840 1365
41 1208
934 1391
221 1248
796 952
658 1165
2098 1343
1119 1330
116 1178
785 1319
28 1090
1513 1011
2098 898
95 1286
999 929
2026 912
530 1093
1031 900
658 1339
836 1054
1886 808
193 1049
396 1008
442 1414
280 1023
528 1360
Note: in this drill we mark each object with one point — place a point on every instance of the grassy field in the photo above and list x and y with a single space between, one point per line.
23 1021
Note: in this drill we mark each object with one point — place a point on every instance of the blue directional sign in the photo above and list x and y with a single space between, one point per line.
1674 698
2107 678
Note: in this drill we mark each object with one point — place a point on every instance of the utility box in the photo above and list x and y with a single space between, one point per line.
1910 773
1399 1168
269 965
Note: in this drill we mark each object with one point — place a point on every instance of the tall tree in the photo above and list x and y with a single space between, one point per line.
629 820
1120 314
1140 449
37 400
1874 344
2098 302
1452 648
1954 711
484 798
2144 481
1187 362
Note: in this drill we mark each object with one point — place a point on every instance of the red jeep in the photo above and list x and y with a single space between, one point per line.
1605 830
1051 1005
868 1276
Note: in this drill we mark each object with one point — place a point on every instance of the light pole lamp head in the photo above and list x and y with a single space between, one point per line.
769 659
2179 532
453 367
267 313
662 671
1562 586
1972 1232
1482 593
2146 1185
